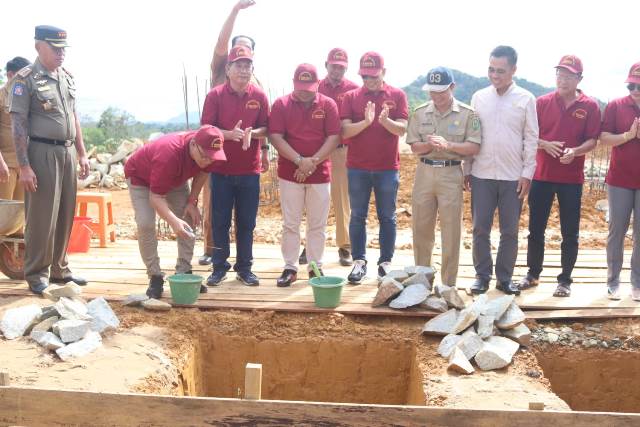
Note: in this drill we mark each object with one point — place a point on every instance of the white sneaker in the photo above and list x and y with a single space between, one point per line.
635 294
383 269
358 272
614 293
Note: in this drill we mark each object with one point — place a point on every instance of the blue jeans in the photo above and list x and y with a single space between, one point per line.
385 187
541 198
241 192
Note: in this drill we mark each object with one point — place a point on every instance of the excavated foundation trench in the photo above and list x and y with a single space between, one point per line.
591 380
320 370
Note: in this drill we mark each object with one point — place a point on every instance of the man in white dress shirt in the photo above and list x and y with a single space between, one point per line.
501 172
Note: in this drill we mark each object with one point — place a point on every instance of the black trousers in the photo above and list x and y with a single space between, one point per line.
541 198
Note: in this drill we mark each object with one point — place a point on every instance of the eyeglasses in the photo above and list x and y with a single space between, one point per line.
633 86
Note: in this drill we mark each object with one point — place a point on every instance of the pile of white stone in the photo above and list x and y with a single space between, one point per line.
107 170
413 287
489 332
71 327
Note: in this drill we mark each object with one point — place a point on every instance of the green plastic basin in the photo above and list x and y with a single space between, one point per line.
185 288
327 290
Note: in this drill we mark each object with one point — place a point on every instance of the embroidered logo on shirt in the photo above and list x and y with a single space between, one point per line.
252 104
318 114
390 104
580 114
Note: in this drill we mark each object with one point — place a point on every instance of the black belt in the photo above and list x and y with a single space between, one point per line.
341 145
51 141
440 163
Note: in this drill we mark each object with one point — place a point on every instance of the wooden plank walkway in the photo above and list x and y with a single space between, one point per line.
117 271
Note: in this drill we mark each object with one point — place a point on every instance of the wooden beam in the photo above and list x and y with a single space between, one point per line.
253 381
37 407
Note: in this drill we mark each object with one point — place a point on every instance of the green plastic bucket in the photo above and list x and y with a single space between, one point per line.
327 290
185 288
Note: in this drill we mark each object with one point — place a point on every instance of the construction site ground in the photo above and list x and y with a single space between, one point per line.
355 354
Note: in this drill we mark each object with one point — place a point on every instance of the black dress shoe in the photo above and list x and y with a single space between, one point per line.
75 279
508 288
480 286
155 286
38 287
302 259
287 277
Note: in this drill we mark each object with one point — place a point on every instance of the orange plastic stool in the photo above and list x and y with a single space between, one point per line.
105 214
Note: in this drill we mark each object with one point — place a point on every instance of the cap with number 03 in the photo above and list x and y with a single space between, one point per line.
438 79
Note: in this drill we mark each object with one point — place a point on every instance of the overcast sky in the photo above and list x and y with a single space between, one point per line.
130 54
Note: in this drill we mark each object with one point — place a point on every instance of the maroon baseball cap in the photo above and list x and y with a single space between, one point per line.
571 63
634 74
239 52
210 139
306 78
338 56
371 64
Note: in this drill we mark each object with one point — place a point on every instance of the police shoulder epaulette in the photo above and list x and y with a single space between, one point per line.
24 72
421 106
466 106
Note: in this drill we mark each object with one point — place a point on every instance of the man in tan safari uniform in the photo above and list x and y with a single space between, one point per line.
48 139
442 133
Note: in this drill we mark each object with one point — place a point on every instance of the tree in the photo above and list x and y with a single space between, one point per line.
116 124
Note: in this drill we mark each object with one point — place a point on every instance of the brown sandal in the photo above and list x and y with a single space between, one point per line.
528 282
562 291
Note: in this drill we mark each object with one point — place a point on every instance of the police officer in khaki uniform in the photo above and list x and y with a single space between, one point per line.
48 139
442 133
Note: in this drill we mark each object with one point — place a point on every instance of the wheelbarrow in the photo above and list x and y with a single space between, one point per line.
11 247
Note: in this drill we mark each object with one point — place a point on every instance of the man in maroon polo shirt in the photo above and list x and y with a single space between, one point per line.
621 130
569 124
240 110
305 128
335 85
158 175
373 118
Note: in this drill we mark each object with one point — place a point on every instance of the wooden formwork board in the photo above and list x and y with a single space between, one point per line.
38 407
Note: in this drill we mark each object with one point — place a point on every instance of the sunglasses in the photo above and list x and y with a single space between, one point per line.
633 86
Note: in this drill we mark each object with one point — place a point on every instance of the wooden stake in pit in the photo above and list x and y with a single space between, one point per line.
4 379
253 381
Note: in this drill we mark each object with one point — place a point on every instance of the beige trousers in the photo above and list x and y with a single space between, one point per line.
295 200
340 196
437 192
145 216
207 220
